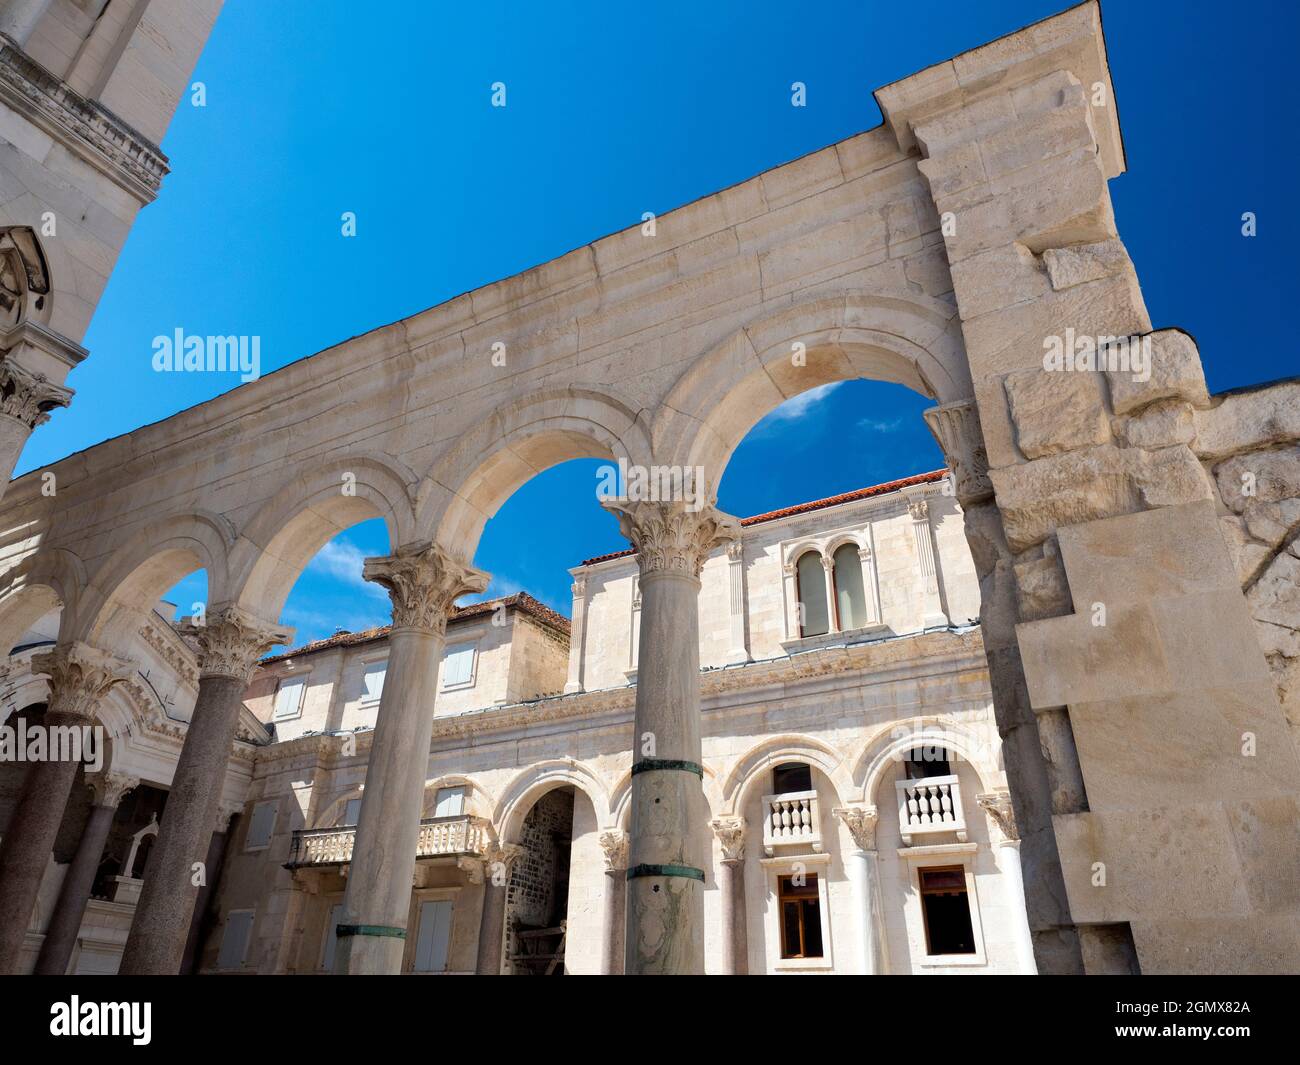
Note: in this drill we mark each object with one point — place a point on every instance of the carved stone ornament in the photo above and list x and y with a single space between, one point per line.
498 860
80 676
730 831
111 788
670 537
919 509
614 843
231 641
423 581
998 806
861 822
29 397
956 426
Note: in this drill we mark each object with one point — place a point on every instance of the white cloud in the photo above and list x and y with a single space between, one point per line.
794 409
879 426
343 562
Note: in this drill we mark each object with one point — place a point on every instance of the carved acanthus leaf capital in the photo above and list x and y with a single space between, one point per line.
919 509
110 788
861 822
231 640
956 426
730 830
615 844
80 676
498 860
671 537
423 581
28 396
998 806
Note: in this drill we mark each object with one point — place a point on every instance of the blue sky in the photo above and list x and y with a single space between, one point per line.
314 109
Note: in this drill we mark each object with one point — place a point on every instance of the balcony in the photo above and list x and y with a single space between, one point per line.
439 837
791 819
931 804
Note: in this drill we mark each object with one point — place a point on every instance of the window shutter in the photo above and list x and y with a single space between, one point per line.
234 943
435 936
261 826
458 665
374 681
351 812
450 802
288 699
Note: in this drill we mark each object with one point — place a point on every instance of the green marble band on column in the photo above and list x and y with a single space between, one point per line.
686 872
655 765
371 930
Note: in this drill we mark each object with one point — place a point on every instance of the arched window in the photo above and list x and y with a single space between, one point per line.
812 595
850 598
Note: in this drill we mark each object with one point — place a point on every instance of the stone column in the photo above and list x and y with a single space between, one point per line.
26 398
18 18
61 935
497 863
735 931
739 651
215 860
614 844
665 904
577 635
923 534
80 676
231 641
863 869
423 582
832 604
998 807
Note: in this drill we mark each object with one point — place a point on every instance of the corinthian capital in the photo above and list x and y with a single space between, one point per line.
614 843
80 676
27 396
111 788
498 860
671 537
231 641
423 581
730 831
997 805
956 426
861 823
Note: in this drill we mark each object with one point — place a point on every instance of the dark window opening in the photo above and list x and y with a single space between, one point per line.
945 907
922 762
801 917
791 776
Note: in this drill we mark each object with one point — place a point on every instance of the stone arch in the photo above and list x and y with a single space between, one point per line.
520 439
131 579
911 339
534 782
26 284
308 511
479 802
43 581
885 749
621 798
791 747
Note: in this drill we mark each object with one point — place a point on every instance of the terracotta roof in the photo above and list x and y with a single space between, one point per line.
816 504
521 601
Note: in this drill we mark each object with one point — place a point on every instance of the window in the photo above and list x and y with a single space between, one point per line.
922 762
449 802
434 936
288 697
332 938
234 941
791 776
260 827
850 599
946 910
458 665
372 681
813 615
801 916
351 812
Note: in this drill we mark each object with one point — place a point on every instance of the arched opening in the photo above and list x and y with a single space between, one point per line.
814 612
850 594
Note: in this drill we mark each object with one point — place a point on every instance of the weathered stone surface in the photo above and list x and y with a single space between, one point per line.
1056 412
1261 476
1042 590
1247 554
1275 604
1175 373
1163 424
1249 420
1079 263
1037 497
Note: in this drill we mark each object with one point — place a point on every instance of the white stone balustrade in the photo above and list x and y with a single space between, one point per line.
439 836
791 818
931 804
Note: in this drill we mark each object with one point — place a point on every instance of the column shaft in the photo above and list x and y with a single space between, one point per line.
491 928
61 935
735 932
1009 865
865 872
203 900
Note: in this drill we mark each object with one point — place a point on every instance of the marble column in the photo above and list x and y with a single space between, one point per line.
230 643
998 806
613 927
215 860
577 635
65 923
497 863
832 604
80 676
923 534
422 581
665 901
863 869
735 931
18 18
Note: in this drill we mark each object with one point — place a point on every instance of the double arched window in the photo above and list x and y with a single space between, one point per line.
832 591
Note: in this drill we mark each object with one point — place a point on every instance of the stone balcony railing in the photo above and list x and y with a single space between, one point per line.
439 837
791 819
931 804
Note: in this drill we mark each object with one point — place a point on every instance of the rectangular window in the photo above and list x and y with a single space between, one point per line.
458 665
372 681
332 937
434 937
945 907
450 802
260 826
288 698
234 942
801 916
351 812
791 776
